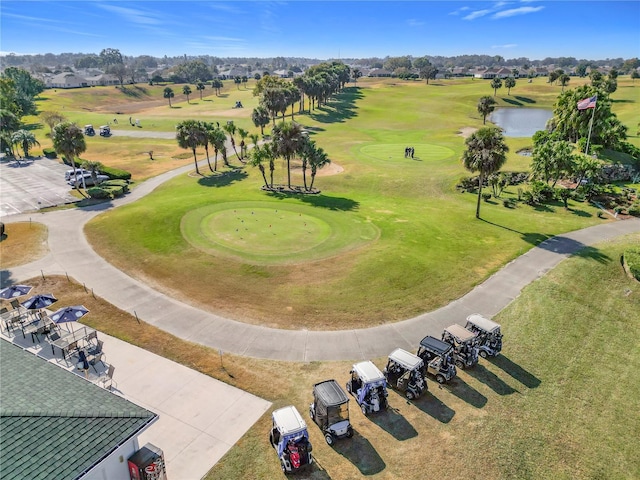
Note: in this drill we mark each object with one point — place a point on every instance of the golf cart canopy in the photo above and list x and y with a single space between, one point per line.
484 323
435 345
460 333
368 372
329 393
409 361
290 425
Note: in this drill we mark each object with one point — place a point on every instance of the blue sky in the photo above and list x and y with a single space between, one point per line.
329 29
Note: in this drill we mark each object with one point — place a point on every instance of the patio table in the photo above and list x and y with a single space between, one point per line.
69 338
33 327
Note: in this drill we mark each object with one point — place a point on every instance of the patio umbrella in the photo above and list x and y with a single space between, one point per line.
69 314
14 291
40 301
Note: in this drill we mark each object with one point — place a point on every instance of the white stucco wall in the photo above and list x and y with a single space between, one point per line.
114 467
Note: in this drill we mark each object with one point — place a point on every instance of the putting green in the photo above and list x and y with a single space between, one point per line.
274 234
395 151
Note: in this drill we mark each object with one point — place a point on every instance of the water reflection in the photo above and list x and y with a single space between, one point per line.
521 122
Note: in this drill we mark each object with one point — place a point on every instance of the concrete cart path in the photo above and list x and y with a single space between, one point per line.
70 253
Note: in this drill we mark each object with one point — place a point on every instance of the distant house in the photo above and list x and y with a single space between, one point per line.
490 73
460 72
380 72
66 80
56 424
102 79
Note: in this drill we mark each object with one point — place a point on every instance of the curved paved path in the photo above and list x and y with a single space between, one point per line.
70 253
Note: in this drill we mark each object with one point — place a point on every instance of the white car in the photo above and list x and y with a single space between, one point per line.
78 171
87 180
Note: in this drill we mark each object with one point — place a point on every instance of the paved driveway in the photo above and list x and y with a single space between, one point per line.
31 185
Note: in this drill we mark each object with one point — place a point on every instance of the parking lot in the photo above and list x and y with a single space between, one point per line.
32 184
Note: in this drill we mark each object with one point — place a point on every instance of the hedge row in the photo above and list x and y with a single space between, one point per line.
632 257
109 189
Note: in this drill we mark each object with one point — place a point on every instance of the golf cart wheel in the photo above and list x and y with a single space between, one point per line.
409 395
282 466
483 354
440 379
271 439
349 387
328 438
460 364
311 414
349 432
364 409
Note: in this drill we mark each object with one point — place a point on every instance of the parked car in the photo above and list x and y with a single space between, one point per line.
290 438
489 336
368 386
405 373
89 130
330 410
437 356
87 180
464 342
78 171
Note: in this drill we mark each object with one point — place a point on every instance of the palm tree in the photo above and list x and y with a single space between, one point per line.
496 83
356 74
68 141
200 87
318 160
486 154
25 139
52 118
243 146
260 117
217 138
237 80
486 105
256 158
509 82
187 91
168 93
231 129
287 141
564 80
254 139
189 135
206 128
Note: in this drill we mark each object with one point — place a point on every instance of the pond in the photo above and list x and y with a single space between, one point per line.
521 122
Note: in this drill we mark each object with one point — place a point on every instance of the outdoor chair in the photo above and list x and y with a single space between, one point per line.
96 349
106 380
95 359
92 336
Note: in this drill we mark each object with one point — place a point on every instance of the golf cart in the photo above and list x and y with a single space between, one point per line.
489 336
465 349
105 131
368 386
438 357
330 410
290 439
404 372
88 130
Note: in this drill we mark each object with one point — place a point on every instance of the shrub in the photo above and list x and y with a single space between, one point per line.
49 152
121 184
98 193
632 258
486 196
508 203
634 210
116 173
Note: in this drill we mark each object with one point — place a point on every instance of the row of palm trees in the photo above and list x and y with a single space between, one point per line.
216 84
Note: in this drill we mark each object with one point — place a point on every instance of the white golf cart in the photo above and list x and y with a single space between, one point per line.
464 343
368 386
290 439
489 336
404 372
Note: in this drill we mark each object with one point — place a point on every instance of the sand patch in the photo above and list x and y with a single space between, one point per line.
465 132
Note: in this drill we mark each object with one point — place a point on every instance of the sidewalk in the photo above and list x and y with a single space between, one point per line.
200 418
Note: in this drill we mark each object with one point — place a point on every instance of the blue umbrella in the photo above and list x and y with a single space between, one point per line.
40 301
69 314
14 291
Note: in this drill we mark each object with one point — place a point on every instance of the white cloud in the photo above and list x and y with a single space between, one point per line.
412 22
133 15
459 11
477 14
516 11
506 45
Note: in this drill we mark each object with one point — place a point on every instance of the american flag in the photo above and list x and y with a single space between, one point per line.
587 103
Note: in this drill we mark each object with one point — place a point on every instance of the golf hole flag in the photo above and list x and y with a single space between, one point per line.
587 103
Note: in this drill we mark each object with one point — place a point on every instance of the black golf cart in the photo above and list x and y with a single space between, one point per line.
368 386
330 410
105 131
89 130
464 342
290 439
404 372
489 336
437 356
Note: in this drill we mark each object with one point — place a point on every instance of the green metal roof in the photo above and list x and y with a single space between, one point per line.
54 424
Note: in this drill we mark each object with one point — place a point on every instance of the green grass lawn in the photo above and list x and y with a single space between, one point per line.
430 249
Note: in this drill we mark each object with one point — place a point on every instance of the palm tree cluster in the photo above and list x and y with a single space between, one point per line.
289 142
318 84
192 134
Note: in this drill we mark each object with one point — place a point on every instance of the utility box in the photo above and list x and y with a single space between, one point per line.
147 464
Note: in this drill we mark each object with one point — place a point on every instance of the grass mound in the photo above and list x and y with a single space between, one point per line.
261 234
